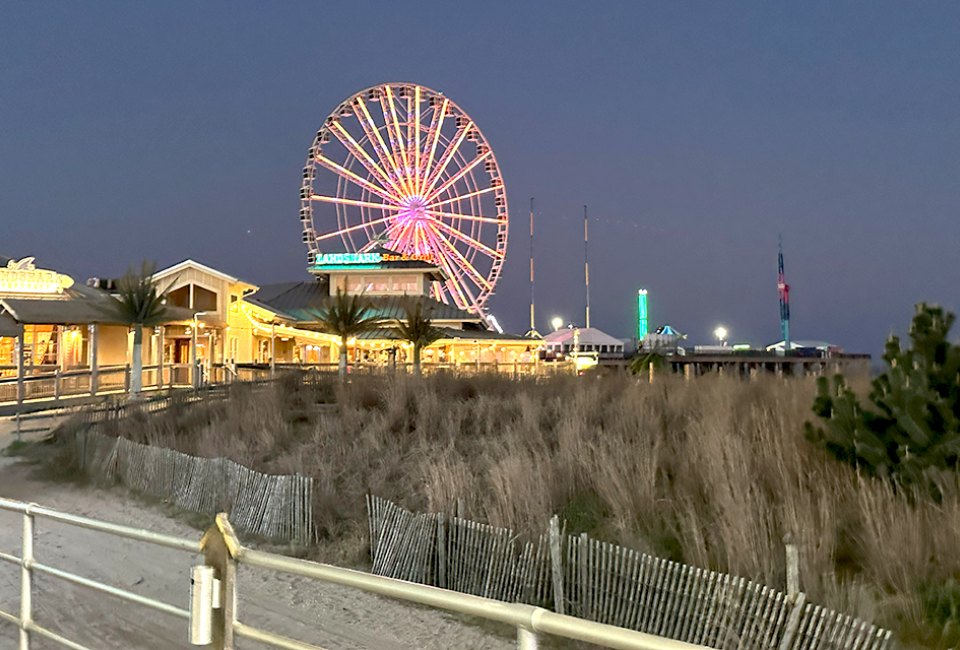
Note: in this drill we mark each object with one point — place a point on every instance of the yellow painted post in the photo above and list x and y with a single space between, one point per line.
220 548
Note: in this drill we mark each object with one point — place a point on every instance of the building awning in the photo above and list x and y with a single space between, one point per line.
8 326
30 311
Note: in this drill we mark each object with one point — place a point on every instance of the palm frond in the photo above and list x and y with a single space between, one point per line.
140 300
348 315
417 328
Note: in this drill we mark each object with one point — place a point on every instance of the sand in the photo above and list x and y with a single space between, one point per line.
330 616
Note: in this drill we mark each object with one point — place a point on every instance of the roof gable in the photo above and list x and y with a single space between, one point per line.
203 268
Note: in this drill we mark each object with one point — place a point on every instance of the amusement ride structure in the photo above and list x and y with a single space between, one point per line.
400 167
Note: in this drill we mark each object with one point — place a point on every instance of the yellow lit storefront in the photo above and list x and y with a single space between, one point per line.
57 335
241 324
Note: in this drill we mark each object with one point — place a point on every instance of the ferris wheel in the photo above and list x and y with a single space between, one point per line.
402 167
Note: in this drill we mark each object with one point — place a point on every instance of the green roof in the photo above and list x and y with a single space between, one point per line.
301 302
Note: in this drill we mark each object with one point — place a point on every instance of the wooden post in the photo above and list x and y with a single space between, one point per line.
687 371
21 393
159 353
194 362
793 622
273 350
441 552
793 566
56 384
556 564
93 331
220 546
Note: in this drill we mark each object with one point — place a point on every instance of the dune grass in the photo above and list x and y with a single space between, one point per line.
713 472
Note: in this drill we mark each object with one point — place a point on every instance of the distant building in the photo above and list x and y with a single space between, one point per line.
584 339
811 347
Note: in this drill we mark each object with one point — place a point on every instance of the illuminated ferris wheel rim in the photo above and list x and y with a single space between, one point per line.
405 182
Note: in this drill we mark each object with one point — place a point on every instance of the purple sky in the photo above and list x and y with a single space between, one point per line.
696 132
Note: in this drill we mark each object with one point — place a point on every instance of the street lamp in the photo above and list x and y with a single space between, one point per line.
557 323
721 334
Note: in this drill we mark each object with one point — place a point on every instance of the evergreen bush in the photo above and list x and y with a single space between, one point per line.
910 431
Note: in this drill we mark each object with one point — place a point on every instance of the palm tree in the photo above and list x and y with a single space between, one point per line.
346 317
417 329
141 304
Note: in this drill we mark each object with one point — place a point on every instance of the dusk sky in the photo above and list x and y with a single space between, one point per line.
696 132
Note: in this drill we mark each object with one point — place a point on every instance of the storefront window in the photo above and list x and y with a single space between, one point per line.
404 284
355 284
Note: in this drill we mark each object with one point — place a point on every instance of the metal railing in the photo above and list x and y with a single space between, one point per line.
29 565
224 554
53 384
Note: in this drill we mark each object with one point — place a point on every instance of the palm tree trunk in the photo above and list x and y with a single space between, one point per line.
136 372
343 357
416 360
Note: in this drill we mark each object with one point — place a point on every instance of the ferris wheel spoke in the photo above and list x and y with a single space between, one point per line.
359 226
360 204
399 147
454 279
346 174
447 156
456 177
478 278
373 133
364 158
416 139
436 125
466 239
466 217
462 197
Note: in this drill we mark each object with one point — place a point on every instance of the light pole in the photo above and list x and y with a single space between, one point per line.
194 374
721 334
576 349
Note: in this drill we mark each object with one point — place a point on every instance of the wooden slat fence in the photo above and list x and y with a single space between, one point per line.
278 507
458 554
606 583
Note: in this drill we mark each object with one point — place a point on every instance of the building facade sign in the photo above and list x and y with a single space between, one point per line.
24 278
327 260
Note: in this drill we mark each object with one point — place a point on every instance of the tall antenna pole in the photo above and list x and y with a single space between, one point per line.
586 262
784 290
533 322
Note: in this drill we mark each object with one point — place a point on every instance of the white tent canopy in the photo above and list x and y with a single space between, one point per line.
589 338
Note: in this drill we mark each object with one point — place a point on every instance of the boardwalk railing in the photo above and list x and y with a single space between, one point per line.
277 507
213 621
602 582
49 383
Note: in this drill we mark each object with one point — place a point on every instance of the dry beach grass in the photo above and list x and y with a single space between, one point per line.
713 472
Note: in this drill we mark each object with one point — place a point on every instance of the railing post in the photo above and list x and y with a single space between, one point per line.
56 384
26 590
126 378
93 334
527 640
220 546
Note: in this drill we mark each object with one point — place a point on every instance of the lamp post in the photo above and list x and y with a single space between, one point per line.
721 334
273 349
576 349
194 374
